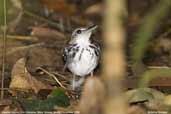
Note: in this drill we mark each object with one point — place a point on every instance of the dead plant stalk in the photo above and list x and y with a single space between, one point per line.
113 70
3 51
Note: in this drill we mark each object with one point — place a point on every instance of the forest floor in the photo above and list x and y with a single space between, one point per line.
37 32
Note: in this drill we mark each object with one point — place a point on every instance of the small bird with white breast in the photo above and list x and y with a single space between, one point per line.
82 54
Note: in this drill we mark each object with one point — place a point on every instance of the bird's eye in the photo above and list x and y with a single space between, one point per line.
78 31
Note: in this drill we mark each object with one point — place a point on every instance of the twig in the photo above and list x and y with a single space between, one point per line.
22 48
17 37
43 19
6 89
53 76
152 67
60 75
158 67
3 51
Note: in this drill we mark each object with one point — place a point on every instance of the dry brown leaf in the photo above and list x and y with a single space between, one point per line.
44 57
22 80
60 6
46 33
167 100
154 105
95 9
136 110
9 107
5 102
161 44
134 20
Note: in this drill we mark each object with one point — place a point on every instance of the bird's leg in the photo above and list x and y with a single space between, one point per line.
91 74
73 82
63 70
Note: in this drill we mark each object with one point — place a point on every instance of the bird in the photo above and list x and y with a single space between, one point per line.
82 54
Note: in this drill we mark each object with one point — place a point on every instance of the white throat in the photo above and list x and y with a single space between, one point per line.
83 39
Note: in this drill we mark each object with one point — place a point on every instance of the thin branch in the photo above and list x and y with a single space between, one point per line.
22 48
43 19
24 38
5 89
53 76
60 75
3 51
158 67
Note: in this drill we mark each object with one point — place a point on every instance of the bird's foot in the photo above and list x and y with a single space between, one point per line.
91 74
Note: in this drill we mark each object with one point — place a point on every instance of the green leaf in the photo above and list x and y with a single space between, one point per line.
37 105
56 98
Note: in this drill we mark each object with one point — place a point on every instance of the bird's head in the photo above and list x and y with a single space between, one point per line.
83 34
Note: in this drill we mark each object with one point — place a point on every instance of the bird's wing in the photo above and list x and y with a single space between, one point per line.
96 46
69 53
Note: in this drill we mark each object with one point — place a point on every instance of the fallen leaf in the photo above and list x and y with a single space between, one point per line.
95 9
154 105
47 34
160 45
141 95
11 109
64 8
10 106
134 20
136 110
22 80
5 102
44 57
167 100
138 96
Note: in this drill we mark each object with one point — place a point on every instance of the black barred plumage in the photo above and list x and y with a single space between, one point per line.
82 54
70 52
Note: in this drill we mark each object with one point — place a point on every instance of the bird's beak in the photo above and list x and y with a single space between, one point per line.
91 28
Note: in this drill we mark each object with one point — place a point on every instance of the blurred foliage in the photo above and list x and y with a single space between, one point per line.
149 26
144 95
138 95
56 98
149 75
